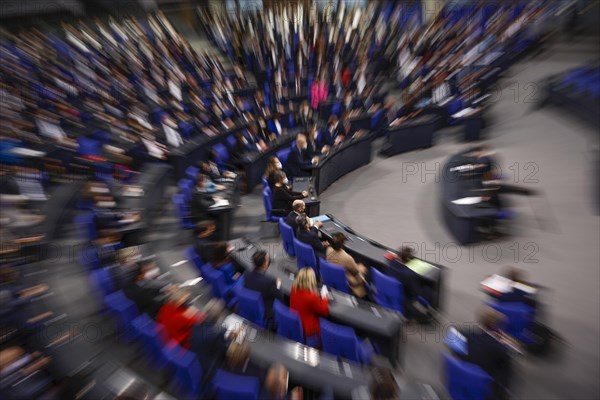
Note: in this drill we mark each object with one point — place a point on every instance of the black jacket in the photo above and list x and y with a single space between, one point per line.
201 201
283 199
491 355
311 238
291 221
297 160
266 286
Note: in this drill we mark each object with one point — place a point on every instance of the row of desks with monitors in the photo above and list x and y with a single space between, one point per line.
383 327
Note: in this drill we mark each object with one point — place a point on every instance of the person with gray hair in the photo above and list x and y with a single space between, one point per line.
310 235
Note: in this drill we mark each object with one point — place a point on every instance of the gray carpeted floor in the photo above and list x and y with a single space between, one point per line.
555 237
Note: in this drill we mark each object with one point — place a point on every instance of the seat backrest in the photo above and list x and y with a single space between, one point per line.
231 141
340 340
190 254
89 258
191 172
267 202
264 182
519 316
389 291
287 236
222 154
230 386
101 280
186 368
288 322
334 276
89 147
465 381
305 255
179 203
250 305
283 155
85 225
216 280
185 186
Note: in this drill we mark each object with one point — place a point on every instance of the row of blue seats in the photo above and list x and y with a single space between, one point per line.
387 292
180 364
337 340
583 80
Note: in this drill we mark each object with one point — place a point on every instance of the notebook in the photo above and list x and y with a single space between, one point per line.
419 266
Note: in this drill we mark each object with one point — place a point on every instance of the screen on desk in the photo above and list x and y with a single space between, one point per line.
419 266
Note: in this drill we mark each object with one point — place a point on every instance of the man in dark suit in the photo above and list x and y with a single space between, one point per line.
310 236
201 200
257 280
145 292
299 159
208 339
298 208
204 243
486 351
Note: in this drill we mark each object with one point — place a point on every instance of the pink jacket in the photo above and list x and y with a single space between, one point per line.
318 93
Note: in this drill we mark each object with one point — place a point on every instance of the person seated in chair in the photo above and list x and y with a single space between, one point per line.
299 208
414 290
204 242
355 272
305 300
283 197
202 199
258 281
300 159
273 167
146 290
516 295
310 235
486 348
222 262
177 318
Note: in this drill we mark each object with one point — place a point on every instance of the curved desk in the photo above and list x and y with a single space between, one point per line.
197 149
383 327
373 254
412 135
341 160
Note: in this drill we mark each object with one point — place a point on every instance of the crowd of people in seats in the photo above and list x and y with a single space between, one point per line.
345 54
98 100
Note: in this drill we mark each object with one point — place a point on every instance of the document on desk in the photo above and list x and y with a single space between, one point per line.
220 203
420 267
463 112
496 284
467 201
321 218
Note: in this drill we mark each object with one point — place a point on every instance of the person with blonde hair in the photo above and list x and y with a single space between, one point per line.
305 299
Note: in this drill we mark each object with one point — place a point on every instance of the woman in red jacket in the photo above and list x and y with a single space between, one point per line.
177 319
306 301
